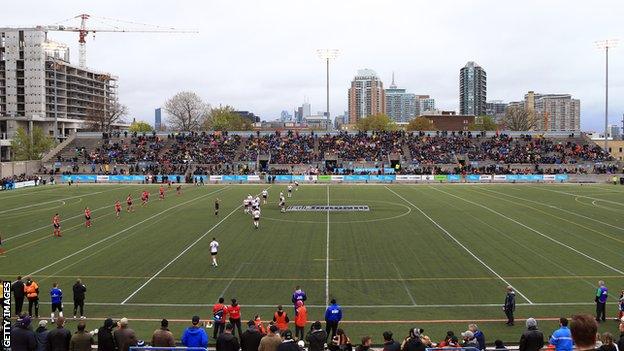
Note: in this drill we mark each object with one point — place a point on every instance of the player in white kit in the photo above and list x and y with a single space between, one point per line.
214 248
265 195
256 217
289 190
282 203
246 205
296 186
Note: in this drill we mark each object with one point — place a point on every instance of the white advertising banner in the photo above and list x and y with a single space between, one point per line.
428 178
485 177
215 178
501 177
102 178
337 178
253 178
549 177
18 185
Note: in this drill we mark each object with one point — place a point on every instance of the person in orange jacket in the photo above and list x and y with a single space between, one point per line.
301 318
260 325
280 318
31 289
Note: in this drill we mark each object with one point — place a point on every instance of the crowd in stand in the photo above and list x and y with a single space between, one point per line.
375 147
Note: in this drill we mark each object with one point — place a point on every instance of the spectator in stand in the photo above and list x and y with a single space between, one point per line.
413 342
41 334
163 337
584 328
602 293
620 342
235 316
59 338
366 344
79 297
340 342
18 294
227 341
259 325
499 346
389 343
288 343
333 315
468 340
250 338
478 335
82 340
124 336
105 338
195 335
280 318
271 341
607 343
447 339
561 339
317 337
301 318
219 312
510 305
532 339
22 338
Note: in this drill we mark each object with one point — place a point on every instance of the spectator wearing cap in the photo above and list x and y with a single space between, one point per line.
367 341
413 342
59 338
301 318
124 336
333 316
583 329
468 340
162 337
317 337
82 339
41 334
389 343
194 336
532 339
106 341
22 338
280 318
250 338
288 343
271 341
561 339
478 335
235 316
227 341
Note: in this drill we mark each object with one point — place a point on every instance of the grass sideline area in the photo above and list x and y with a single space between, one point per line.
433 256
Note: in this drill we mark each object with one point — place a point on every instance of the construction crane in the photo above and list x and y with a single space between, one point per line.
83 30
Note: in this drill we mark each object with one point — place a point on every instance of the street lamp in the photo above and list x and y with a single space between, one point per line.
606 44
327 55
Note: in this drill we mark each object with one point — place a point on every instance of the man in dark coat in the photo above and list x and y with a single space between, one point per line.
532 339
510 305
288 343
226 341
389 343
59 338
41 334
22 338
317 337
250 339
79 297
18 294
105 339
620 342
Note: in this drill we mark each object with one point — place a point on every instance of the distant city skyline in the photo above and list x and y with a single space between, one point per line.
262 68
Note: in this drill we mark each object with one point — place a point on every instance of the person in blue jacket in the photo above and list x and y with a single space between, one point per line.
561 339
333 315
195 335
56 298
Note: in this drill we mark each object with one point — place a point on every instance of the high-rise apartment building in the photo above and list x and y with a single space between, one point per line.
158 119
401 106
496 109
40 87
554 112
472 90
425 104
366 96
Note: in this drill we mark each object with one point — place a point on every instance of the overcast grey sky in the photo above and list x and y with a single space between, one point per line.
260 55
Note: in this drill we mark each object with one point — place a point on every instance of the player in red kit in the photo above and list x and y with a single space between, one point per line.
161 192
144 198
56 224
87 213
179 189
129 203
117 208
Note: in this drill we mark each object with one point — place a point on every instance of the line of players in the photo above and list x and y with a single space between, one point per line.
145 195
251 205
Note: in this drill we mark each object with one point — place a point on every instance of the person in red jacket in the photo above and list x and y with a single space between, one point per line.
235 317
280 318
56 223
87 213
301 318
117 208
219 311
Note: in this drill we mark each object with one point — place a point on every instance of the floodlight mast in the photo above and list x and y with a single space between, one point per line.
327 55
606 44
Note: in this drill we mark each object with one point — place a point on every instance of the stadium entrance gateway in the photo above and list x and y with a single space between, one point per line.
330 208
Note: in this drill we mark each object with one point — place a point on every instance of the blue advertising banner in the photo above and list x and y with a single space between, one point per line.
454 178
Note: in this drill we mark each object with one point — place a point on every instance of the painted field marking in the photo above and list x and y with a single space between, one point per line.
181 253
460 244
404 284
58 200
534 231
240 266
125 230
29 193
583 196
327 254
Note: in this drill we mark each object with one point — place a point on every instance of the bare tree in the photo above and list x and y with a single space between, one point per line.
101 116
187 111
519 119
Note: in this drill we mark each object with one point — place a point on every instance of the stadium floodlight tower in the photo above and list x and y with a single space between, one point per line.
606 45
327 55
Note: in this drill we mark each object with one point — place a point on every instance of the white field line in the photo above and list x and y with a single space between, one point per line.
583 196
124 230
534 231
57 200
557 208
240 266
498 305
404 284
180 254
30 192
327 254
461 245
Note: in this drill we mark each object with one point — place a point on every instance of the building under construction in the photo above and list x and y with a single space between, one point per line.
39 87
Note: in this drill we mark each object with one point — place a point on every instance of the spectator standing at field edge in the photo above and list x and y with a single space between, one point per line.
22 338
82 339
79 297
106 341
317 337
227 341
195 336
510 305
602 293
162 337
333 315
583 329
18 294
532 339
250 339
271 341
561 339
59 338
124 336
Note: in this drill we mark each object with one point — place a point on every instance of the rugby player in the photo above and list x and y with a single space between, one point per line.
56 224
117 208
214 249
87 213
129 203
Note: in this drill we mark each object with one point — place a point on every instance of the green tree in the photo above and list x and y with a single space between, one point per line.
420 124
225 119
483 123
140 126
378 122
26 148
